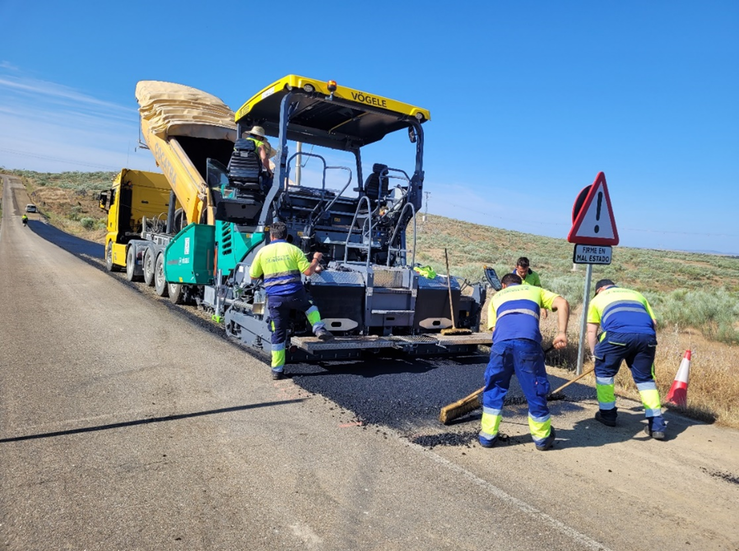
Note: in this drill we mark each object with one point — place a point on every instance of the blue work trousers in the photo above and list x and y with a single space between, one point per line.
638 351
280 307
525 358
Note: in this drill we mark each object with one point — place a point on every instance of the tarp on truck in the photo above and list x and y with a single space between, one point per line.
177 110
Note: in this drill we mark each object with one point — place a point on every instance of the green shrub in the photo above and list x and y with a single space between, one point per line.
88 223
96 181
75 212
714 312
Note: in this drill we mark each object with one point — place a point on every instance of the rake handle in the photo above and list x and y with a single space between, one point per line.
478 392
452 411
449 288
568 383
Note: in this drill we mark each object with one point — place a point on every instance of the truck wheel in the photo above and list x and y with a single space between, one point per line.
109 258
149 267
160 284
176 293
131 265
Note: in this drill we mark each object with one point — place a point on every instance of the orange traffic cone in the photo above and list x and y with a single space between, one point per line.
678 394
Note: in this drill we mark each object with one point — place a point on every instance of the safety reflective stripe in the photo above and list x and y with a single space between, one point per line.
278 355
518 299
487 435
610 310
652 412
314 318
650 398
281 264
540 427
293 276
490 422
519 311
622 311
604 390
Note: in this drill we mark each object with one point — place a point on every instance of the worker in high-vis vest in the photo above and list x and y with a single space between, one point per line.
514 318
628 333
256 134
281 264
527 275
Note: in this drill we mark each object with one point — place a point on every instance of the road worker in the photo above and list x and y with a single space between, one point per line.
24 219
280 264
628 333
514 317
256 134
527 275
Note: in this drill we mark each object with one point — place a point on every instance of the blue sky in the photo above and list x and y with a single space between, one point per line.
529 100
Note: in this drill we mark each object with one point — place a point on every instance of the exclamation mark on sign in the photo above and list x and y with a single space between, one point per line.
597 212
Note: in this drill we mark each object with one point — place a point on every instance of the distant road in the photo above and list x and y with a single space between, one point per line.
124 425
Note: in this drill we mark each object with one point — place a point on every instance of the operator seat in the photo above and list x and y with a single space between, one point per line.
246 177
376 186
245 169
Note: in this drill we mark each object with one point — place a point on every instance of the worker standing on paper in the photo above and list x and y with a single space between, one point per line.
514 318
281 263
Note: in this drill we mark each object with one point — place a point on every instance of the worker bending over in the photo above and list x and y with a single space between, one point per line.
281 264
629 333
514 318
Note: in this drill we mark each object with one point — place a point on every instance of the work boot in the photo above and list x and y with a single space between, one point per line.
607 421
324 335
656 434
277 375
487 442
548 442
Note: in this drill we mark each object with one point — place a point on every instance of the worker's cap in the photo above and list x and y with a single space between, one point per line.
603 283
257 131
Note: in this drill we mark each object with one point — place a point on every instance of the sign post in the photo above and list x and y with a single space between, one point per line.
593 232
584 320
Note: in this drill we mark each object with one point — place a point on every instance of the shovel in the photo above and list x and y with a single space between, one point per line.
453 330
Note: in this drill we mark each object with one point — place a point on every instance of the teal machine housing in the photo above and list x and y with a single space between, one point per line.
189 256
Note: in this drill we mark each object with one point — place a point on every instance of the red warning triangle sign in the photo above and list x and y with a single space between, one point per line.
593 222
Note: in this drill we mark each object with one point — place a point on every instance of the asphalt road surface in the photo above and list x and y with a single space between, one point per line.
127 424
